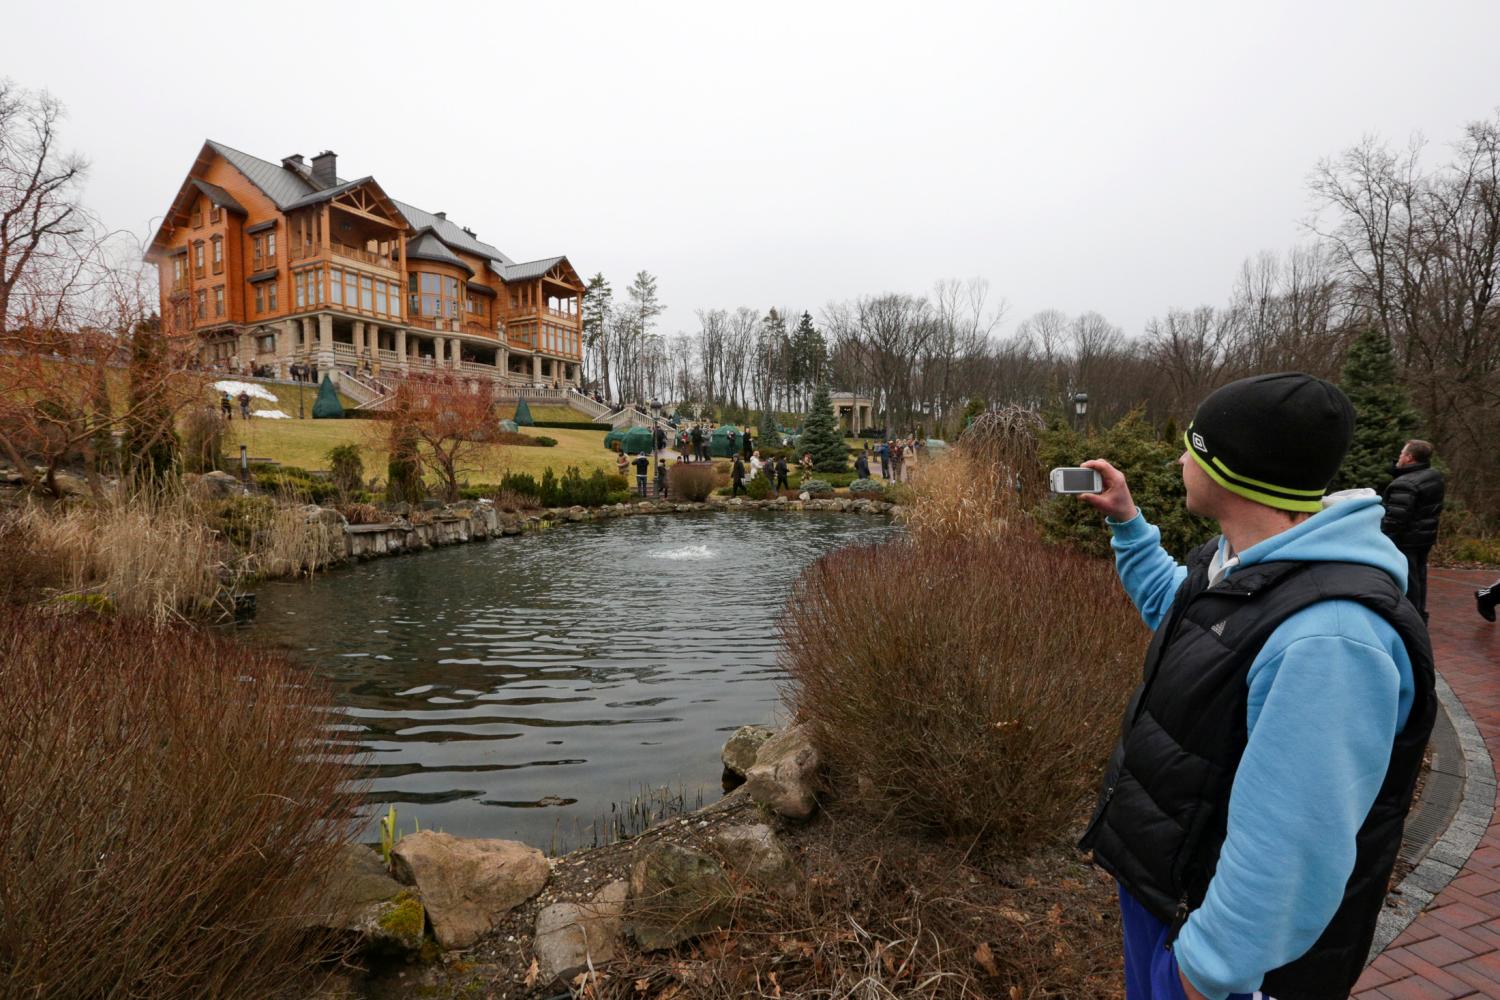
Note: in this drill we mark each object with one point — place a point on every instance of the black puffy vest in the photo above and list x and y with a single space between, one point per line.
1413 506
1161 818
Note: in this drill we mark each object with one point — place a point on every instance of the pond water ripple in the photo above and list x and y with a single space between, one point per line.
519 688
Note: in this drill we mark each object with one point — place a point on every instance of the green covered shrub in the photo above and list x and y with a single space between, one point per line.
867 488
817 488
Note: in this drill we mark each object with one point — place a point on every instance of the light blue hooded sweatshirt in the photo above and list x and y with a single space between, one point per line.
1329 691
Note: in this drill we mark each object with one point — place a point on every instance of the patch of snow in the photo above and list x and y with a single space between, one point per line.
235 388
270 414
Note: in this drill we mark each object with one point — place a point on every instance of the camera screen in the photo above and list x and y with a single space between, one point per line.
1078 480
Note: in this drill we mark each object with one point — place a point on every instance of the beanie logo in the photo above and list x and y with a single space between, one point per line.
1198 442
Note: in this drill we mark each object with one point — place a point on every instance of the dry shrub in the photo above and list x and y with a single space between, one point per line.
149 551
959 495
164 811
693 481
970 687
362 513
296 544
514 501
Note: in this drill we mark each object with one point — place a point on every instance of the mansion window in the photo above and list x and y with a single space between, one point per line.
263 250
361 292
198 259
214 214
270 296
266 344
219 300
179 272
475 305
309 285
201 305
434 295
218 258
197 215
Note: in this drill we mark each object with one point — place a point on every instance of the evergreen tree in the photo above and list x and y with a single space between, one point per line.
809 356
523 415
1384 419
327 404
598 304
769 436
820 435
151 437
403 470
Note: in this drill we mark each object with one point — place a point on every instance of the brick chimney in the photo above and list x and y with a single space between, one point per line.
325 170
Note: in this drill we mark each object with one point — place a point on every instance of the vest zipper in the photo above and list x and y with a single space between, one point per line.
1178 919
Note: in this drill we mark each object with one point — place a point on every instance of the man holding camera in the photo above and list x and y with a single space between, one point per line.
1253 808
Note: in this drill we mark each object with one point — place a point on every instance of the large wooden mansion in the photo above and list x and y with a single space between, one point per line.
271 264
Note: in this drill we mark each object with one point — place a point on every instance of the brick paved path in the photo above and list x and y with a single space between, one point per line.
1453 948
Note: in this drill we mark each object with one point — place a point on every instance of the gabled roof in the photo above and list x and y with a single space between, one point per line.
218 196
426 246
530 269
326 193
281 185
449 233
535 269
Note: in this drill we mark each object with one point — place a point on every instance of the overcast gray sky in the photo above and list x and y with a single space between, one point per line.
1121 157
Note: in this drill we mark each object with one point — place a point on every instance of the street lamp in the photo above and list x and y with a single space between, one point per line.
1081 407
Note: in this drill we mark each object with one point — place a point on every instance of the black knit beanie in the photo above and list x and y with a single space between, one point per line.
1275 439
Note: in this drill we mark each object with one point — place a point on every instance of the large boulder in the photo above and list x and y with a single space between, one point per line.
467 885
572 936
676 893
784 778
740 749
752 850
363 901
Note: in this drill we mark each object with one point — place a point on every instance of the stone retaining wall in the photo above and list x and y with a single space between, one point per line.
479 521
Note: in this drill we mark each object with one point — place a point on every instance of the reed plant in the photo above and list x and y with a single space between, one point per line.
167 812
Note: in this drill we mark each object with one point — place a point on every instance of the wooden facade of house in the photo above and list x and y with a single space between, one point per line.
268 265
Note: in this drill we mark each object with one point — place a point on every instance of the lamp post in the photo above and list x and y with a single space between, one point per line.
1081 407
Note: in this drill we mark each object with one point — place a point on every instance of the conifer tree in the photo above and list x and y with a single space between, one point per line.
820 435
327 404
1384 419
151 434
523 415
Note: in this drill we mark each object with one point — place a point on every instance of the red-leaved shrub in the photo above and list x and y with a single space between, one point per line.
971 687
168 807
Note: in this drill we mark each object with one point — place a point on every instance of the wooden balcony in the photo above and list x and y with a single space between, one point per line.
364 257
306 251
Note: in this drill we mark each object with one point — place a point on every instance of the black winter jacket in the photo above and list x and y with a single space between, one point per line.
1413 505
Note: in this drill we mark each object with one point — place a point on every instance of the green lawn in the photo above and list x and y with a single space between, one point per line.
305 444
286 397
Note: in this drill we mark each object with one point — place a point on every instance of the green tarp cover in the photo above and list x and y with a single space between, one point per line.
638 440
725 442
327 404
612 440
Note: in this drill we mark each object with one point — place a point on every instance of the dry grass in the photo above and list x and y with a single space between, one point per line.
163 819
148 552
694 481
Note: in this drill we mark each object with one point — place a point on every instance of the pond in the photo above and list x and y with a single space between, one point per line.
521 688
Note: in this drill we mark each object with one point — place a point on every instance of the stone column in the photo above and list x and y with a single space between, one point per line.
536 368
854 419
455 355
437 351
305 342
401 347
325 342
359 339
246 347
286 346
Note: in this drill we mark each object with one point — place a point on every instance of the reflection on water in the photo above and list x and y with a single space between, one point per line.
518 688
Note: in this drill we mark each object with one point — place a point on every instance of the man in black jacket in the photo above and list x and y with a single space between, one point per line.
1413 506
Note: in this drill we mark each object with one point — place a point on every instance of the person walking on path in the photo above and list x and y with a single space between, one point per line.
909 460
1413 507
862 464
755 464
661 476
1252 810
745 443
642 463
659 438
781 479
884 451
244 400
737 476
896 461
697 437
225 407
622 463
